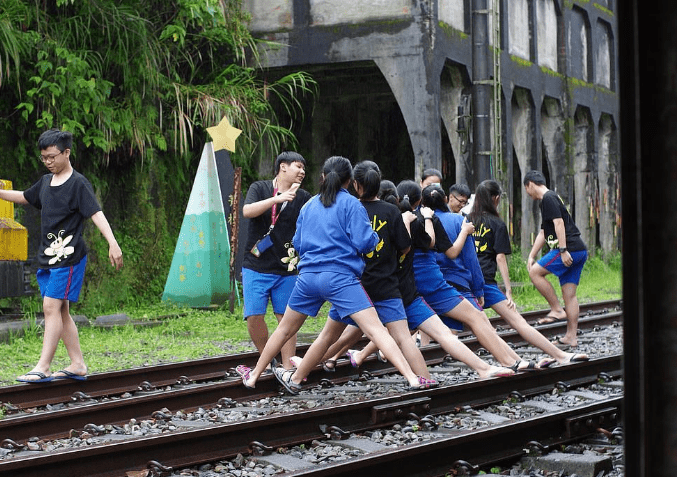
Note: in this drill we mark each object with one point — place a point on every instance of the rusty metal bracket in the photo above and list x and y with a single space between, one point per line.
589 423
334 433
184 381
79 396
145 387
399 410
465 466
157 470
259 448
12 445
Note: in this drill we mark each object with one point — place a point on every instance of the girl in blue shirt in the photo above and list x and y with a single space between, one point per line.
442 297
332 233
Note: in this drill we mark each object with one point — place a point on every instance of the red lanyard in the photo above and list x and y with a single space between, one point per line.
274 210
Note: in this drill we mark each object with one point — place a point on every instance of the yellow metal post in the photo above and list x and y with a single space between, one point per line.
13 235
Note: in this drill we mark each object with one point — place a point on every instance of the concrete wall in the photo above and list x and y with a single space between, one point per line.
393 74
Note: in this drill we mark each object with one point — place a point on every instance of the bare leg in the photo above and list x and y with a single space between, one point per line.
59 325
545 288
572 310
289 325
486 334
350 336
369 323
289 348
425 339
449 342
528 332
330 333
399 330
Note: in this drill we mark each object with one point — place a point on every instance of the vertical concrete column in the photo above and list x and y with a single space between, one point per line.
482 92
451 97
584 179
416 87
608 183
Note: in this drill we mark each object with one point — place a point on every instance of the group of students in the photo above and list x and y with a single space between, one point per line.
391 261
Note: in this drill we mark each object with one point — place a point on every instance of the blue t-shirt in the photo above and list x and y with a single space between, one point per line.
334 238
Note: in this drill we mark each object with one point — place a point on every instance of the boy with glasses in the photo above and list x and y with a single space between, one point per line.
458 197
66 199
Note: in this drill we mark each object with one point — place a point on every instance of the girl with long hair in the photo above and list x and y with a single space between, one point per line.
332 233
452 307
492 245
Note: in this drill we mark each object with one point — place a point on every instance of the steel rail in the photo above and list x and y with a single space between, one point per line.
119 382
142 404
482 448
227 440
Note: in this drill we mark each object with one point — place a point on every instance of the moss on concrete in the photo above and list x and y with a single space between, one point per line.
604 9
452 32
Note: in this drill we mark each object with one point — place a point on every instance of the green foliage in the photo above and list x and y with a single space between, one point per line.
137 82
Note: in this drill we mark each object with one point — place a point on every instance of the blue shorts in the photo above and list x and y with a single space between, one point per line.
388 311
62 283
418 312
492 295
343 290
470 296
552 262
258 288
443 299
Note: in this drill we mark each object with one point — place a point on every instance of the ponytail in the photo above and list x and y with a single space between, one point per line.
336 171
368 175
435 198
388 193
410 193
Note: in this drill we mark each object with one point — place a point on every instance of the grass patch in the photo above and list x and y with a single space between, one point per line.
185 333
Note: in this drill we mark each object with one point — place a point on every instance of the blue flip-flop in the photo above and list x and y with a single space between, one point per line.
70 375
43 378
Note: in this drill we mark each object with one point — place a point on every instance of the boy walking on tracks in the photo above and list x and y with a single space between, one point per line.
65 198
565 260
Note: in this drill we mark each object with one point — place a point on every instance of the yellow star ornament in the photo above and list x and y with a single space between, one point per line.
224 135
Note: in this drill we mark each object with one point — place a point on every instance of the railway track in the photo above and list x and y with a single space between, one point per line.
109 402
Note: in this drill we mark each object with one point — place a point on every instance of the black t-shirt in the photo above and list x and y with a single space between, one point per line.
491 238
380 273
552 207
276 258
63 211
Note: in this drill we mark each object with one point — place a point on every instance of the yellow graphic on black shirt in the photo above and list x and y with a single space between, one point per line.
58 249
377 224
480 232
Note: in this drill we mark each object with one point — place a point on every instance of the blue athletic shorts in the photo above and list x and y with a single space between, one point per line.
418 312
258 288
343 290
492 295
552 262
468 295
62 283
388 311
444 298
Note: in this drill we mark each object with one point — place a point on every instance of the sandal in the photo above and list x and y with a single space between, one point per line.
576 358
546 363
424 383
531 366
329 365
351 354
295 361
244 372
284 377
381 357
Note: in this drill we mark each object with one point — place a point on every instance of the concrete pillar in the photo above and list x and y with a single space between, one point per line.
523 140
451 97
607 176
552 131
585 183
416 87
